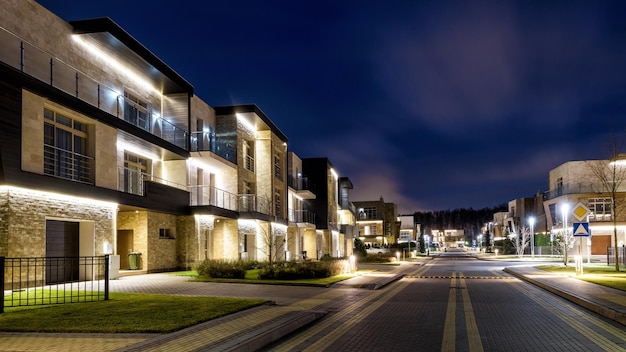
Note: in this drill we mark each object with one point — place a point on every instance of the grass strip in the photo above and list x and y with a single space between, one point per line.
600 274
123 313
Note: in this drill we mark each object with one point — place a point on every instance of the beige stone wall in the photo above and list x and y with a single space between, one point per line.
100 135
189 238
310 243
27 211
161 251
32 132
225 241
4 221
137 221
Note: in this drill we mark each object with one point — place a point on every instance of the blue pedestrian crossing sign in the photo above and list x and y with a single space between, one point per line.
581 229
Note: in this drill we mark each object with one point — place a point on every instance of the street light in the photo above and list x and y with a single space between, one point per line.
564 210
531 221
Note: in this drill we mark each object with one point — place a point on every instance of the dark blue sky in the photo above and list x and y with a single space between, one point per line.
431 104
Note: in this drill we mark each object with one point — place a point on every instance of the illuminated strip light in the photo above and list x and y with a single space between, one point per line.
241 119
332 171
59 196
141 152
116 64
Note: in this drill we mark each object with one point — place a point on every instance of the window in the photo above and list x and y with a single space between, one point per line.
136 111
277 169
369 213
66 148
134 169
600 209
166 233
248 154
277 203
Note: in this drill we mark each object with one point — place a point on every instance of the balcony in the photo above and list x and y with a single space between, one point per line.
35 62
132 181
68 165
301 216
304 189
575 188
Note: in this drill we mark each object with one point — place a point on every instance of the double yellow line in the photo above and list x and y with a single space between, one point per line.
449 332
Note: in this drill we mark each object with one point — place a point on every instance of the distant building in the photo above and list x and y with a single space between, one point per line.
378 222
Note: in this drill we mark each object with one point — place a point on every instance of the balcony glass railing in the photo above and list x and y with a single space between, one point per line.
35 62
301 216
132 181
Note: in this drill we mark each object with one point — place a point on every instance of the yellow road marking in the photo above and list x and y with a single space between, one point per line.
473 335
449 330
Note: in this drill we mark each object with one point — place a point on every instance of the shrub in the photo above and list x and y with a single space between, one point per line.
225 269
378 258
301 270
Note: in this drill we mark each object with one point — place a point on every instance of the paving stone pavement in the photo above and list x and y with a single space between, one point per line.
251 329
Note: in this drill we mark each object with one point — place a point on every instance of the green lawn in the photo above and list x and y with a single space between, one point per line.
124 312
596 273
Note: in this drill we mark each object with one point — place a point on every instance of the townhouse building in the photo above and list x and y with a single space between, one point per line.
574 182
334 214
378 222
302 235
105 149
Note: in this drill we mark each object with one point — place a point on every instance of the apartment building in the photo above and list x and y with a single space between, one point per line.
107 150
334 214
574 182
378 222
302 236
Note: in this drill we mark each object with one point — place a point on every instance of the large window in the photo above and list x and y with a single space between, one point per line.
600 209
248 154
136 111
367 213
277 168
66 148
134 169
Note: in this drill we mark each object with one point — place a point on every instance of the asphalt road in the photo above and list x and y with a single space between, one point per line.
454 303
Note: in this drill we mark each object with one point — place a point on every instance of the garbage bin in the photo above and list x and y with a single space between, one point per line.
133 260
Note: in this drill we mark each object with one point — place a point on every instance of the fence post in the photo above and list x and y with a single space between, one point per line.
2 284
106 277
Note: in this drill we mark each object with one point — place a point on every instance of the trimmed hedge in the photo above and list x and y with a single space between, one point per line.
301 270
225 269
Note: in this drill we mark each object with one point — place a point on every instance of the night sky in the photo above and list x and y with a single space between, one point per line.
433 105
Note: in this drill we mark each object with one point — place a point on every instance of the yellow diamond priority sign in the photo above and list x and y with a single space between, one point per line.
580 211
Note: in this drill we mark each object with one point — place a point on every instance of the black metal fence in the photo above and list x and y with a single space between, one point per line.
610 255
53 280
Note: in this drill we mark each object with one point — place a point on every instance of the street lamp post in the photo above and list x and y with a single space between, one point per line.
531 221
564 210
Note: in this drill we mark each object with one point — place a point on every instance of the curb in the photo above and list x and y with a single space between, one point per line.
592 306
269 333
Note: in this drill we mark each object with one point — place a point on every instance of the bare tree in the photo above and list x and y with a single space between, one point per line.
273 243
610 176
520 240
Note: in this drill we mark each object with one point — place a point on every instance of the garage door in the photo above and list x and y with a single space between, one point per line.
61 251
599 244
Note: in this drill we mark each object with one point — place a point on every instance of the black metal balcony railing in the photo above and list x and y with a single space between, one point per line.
41 65
53 280
68 165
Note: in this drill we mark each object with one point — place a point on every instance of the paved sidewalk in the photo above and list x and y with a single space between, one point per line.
606 301
251 329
